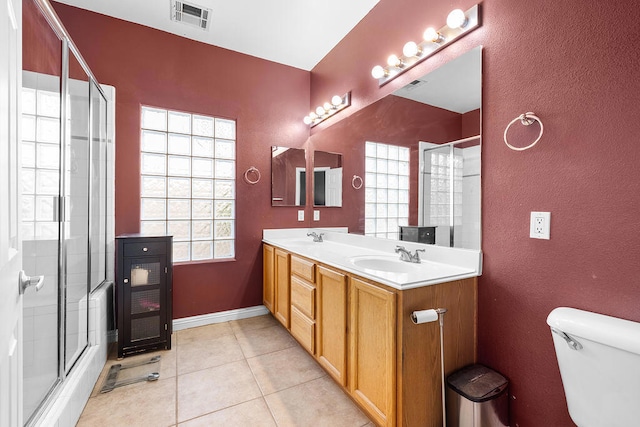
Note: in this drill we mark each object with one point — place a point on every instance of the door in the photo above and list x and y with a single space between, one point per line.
282 297
10 247
372 379
333 187
268 277
332 323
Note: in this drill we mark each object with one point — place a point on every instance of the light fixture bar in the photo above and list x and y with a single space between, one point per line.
328 109
443 37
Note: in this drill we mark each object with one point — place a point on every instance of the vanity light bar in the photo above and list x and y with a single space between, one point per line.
327 110
458 24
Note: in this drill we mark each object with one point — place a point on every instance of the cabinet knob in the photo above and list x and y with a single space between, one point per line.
126 280
145 249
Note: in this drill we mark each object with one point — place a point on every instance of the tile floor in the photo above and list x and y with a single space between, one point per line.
248 372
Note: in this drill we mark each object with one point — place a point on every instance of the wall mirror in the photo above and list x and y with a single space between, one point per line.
418 150
327 179
288 176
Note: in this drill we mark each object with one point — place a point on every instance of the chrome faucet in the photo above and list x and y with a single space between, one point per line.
316 237
406 255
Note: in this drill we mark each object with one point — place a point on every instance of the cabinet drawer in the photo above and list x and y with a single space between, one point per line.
303 329
302 268
145 248
303 297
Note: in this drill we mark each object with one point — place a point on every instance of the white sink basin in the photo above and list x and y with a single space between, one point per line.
382 263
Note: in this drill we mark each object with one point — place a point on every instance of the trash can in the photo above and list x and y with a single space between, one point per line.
477 397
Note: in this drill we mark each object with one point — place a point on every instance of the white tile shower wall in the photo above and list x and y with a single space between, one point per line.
468 235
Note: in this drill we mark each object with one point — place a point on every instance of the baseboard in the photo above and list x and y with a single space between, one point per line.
222 316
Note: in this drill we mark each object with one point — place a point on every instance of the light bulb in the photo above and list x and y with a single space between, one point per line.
320 111
327 106
431 35
378 72
313 115
336 100
307 120
456 19
394 61
410 49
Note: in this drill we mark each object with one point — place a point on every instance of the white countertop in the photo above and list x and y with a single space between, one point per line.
340 250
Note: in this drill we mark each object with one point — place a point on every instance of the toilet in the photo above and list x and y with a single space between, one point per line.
599 360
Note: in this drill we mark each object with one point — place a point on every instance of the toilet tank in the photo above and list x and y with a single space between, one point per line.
599 360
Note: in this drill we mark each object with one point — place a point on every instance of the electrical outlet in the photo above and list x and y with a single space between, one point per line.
540 225
300 215
316 215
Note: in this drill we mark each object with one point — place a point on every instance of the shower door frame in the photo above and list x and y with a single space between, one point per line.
63 367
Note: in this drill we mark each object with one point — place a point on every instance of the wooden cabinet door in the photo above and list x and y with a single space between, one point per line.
281 277
268 285
331 312
372 354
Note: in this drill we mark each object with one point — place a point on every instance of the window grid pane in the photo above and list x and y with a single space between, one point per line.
386 189
188 182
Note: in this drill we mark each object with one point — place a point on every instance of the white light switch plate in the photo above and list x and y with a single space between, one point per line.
316 215
300 215
540 225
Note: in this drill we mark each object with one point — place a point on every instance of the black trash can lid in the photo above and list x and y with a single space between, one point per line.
477 383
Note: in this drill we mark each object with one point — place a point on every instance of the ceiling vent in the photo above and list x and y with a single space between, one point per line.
190 14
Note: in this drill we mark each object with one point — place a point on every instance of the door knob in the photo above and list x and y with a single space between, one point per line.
25 281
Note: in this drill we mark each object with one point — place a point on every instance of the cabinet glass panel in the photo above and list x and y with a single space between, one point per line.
145 328
145 301
143 274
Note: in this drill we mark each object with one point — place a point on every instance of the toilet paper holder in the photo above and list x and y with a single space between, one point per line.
425 316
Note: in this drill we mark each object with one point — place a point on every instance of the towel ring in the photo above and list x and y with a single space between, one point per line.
356 179
252 170
526 119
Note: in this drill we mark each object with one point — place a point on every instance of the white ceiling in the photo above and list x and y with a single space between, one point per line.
298 33
456 86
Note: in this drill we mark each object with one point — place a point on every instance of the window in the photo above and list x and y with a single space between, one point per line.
188 182
386 189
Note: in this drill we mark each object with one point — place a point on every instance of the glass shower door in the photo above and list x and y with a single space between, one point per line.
76 213
40 175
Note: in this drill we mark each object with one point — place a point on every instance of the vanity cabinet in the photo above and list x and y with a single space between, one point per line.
332 323
360 331
144 293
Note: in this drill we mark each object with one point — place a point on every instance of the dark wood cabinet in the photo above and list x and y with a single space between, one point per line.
144 272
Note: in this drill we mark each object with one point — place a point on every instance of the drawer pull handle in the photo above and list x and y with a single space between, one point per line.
145 249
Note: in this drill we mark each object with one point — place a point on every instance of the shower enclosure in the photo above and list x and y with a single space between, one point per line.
66 227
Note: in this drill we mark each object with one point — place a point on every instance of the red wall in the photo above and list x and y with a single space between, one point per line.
575 65
268 101
47 57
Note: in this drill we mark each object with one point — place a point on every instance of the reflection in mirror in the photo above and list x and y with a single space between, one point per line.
288 176
438 108
453 208
327 179
448 154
